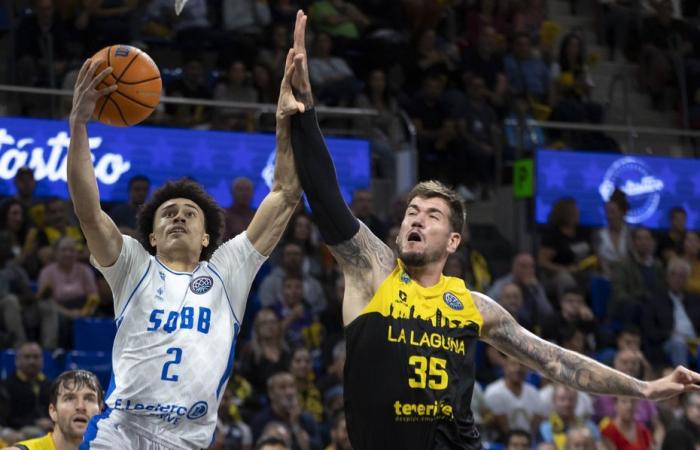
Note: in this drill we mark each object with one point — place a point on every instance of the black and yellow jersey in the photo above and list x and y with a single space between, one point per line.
409 372
42 443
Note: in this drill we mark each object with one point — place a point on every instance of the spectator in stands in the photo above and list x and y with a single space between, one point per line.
338 18
563 418
431 57
574 311
477 274
272 443
612 243
298 322
245 21
511 299
25 185
237 217
671 319
691 253
483 61
583 408
41 53
436 131
237 87
192 85
671 240
106 22
267 352
339 433
362 207
527 73
274 55
15 291
535 301
74 398
548 446
27 391
663 38
265 86
622 432
685 433
636 279
231 431
335 370
270 291
334 81
514 402
301 368
565 250
279 431
71 284
518 440
528 17
488 16
479 135
13 224
580 438
454 266
124 214
385 130
285 407
302 231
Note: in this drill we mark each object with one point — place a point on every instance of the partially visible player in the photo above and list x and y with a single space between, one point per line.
75 397
179 296
411 332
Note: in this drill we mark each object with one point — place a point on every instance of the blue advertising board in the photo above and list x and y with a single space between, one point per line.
213 158
653 185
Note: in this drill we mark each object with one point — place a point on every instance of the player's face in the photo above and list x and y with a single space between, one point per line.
425 235
73 410
179 225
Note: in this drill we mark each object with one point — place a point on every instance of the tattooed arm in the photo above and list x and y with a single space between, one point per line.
570 368
365 261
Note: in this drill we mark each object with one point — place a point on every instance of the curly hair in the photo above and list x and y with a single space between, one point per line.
183 188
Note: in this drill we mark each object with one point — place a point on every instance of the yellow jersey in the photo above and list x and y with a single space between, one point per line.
42 443
409 372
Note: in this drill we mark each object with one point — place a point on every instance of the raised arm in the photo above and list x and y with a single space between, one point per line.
271 218
571 368
364 258
103 237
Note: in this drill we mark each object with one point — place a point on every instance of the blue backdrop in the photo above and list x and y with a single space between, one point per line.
653 185
213 158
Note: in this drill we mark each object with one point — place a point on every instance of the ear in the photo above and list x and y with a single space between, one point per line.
453 242
53 414
205 240
152 239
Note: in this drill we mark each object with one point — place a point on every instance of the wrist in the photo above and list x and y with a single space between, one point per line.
645 389
74 121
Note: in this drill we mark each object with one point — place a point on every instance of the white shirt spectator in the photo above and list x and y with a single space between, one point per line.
520 410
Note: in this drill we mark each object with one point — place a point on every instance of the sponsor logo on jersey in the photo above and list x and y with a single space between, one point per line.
405 279
162 275
201 285
415 412
452 301
198 410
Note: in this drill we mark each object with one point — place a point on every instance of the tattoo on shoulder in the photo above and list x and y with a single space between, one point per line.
364 251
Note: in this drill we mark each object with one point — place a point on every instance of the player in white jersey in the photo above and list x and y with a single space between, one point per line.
178 298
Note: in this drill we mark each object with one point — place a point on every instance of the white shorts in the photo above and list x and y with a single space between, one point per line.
114 429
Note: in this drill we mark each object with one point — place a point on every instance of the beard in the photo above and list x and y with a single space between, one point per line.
418 259
68 431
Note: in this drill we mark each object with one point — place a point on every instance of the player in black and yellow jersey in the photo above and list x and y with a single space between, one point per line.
411 331
75 397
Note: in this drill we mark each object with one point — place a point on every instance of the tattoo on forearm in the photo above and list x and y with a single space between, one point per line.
363 252
558 364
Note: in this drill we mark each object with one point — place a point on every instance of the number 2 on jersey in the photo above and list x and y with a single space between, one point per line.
429 372
178 358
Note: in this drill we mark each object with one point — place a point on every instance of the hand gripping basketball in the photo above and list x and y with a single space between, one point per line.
86 94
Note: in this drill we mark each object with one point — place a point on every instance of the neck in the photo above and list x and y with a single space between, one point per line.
62 442
426 275
514 386
177 262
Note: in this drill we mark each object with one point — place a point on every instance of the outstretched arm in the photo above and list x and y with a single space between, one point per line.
271 218
103 237
364 258
570 368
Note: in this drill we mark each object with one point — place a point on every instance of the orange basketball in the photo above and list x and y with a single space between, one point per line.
138 86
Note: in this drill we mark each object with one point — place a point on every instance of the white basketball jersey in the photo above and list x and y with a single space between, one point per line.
176 334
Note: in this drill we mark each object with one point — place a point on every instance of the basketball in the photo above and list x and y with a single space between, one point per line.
138 86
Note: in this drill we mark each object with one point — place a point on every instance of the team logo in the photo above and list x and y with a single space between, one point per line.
197 410
405 279
635 179
452 301
201 285
122 51
162 275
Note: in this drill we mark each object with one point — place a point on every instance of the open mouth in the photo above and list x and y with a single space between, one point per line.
177 230
80 420
414 236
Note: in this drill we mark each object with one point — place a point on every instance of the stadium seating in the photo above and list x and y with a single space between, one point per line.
94 334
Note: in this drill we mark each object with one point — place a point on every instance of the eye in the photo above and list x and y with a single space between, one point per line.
434 216
191 214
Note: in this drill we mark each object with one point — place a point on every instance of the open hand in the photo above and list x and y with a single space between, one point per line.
300 78
287 104
677 382
86 94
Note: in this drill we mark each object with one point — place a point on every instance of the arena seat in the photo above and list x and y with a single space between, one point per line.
100 363
94 334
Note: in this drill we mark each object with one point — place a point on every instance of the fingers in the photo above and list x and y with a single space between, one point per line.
106 91
100 76
289 61
299 63
300 32
83 71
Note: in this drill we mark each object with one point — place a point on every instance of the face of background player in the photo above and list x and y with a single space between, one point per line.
178 228
73 410
425 235
29 359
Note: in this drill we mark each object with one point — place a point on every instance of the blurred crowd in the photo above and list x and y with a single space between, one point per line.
470 74
626 296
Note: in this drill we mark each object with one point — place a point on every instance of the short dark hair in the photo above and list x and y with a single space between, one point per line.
572 290
677 210
292 276
74 380
619 197
262 443
630 328
433 188
183 188
562 211
137 178
517 432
